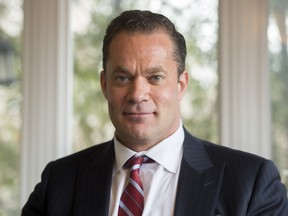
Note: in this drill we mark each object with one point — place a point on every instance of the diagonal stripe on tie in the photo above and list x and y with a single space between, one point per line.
132 199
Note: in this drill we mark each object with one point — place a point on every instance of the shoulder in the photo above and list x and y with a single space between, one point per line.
236 162
249 183
59 179
219 154
66 169
254 180
198 151
240 164
91 153
242 169
102 152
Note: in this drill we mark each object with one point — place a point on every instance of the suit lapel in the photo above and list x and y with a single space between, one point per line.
199 180
94 183
198 186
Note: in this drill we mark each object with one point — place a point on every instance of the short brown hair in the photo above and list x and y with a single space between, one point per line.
146 22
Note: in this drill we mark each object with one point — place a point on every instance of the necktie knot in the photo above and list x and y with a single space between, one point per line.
135 163
138 160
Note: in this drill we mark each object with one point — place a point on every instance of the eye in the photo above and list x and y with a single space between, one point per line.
121 78
156 78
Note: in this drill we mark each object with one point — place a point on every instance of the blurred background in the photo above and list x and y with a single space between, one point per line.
238 93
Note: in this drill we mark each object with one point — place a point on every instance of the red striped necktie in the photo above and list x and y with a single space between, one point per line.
132 199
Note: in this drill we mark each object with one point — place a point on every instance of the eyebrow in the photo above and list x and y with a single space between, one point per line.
156 70
120 69
152 70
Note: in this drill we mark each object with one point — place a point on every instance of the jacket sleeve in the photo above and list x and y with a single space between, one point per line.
35 206
269 196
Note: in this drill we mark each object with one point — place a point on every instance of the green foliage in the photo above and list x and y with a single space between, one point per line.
9 148
279 89
10 100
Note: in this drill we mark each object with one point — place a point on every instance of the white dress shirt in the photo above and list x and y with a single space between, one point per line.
159 179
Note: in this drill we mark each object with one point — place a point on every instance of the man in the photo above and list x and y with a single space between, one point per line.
144 80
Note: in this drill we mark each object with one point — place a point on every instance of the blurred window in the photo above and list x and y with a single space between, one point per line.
11 18
277 44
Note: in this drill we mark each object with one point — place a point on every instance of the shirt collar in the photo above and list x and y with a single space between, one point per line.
167 153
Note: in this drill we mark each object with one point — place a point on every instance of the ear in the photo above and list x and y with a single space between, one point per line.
183 84
103 83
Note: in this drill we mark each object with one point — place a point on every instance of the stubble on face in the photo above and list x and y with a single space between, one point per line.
142 89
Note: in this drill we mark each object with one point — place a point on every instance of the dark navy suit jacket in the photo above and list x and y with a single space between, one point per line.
213 180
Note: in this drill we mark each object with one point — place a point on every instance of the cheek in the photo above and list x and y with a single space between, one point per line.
115 99
169 96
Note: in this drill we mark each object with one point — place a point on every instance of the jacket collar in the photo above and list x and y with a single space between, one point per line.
199 180
94 182
198 185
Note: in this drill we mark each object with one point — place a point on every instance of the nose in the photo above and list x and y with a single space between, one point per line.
138 90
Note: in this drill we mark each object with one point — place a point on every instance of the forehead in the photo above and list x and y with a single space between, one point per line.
140 44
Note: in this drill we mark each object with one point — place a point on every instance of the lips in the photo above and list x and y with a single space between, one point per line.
138 113
138 110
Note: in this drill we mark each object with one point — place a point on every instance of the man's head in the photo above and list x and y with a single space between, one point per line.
145 22
143 79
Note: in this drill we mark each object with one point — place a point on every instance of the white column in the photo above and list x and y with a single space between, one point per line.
47 81
244 76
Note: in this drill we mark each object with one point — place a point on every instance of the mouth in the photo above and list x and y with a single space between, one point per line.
140 114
